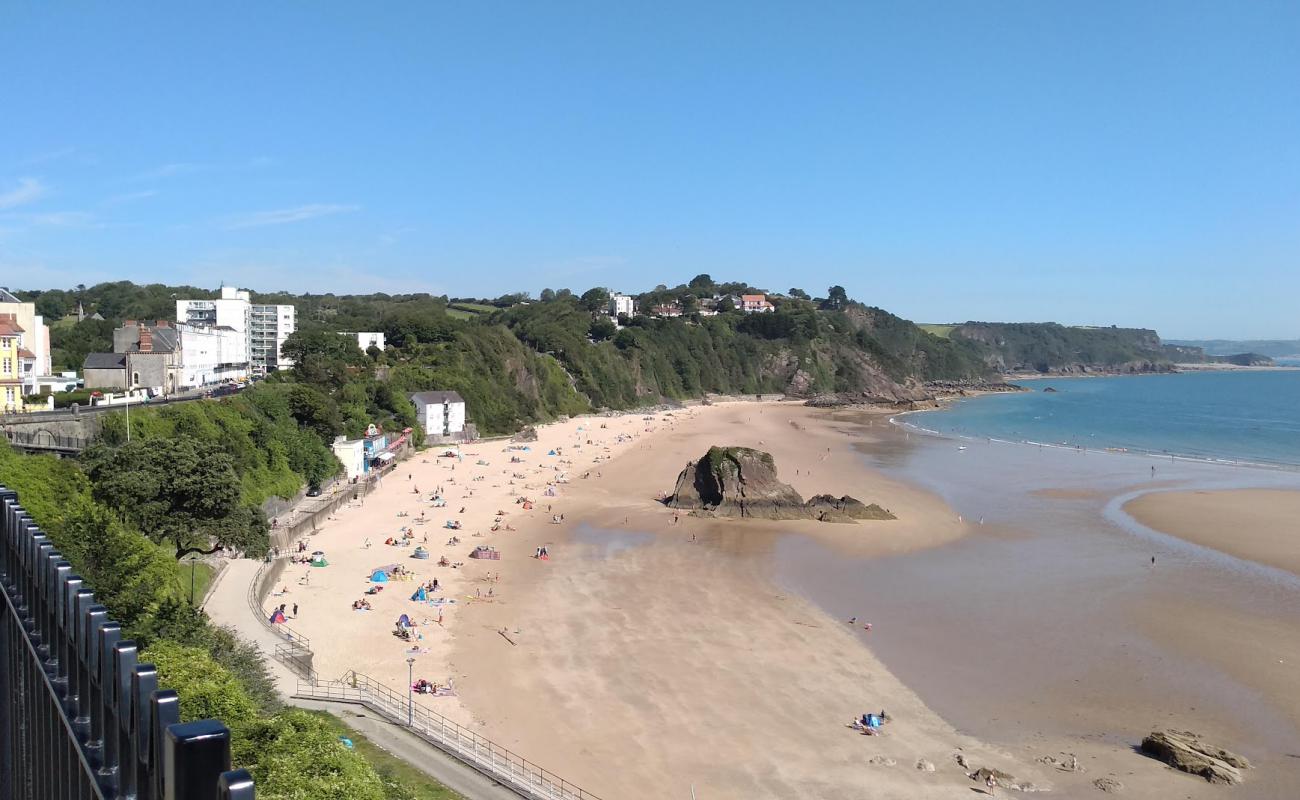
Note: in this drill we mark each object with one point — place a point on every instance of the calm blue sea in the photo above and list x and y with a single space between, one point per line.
1235 416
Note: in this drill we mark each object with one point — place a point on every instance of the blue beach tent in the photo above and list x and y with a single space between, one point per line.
379 576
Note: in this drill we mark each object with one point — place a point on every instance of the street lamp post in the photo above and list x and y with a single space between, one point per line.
410 692
192 580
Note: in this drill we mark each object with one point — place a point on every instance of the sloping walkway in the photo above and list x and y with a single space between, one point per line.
227 605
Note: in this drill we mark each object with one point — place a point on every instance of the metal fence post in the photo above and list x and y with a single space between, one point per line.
79 716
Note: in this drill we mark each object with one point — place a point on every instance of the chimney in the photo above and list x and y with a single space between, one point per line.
162 323
146 340
130 323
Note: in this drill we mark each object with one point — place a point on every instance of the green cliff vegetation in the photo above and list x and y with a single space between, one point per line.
1049 347
292 754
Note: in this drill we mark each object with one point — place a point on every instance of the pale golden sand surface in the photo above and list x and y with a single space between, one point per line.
649 657
1260 525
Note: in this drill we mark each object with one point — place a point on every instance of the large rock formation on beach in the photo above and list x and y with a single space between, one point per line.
742 482
1186 751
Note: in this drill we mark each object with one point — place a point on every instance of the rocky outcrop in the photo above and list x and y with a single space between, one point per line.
1186 751
742 482
829 508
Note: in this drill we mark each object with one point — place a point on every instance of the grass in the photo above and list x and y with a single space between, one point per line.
202 580
456 313
401 780
478 308
942 331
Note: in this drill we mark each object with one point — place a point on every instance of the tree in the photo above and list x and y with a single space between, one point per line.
315 410
836 297
548 295
701 281
181 491
602 328
321 357
799 294
594 299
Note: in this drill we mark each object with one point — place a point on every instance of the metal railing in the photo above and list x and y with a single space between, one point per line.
513 770
80 717
45 440
294 649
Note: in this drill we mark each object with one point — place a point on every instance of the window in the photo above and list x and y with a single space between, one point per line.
9 366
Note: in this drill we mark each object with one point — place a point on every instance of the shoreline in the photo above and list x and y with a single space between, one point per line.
1254 525
897 419
635 646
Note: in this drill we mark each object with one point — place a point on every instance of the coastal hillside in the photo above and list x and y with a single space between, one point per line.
1288 349
1050 348
519 360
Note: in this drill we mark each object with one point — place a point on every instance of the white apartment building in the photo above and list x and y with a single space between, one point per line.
262 328
621 304
211 355
367 339
440 413
271 325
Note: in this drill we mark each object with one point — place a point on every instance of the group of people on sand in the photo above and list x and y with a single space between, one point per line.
361 605
869 724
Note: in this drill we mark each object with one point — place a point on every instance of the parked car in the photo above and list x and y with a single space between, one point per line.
313 491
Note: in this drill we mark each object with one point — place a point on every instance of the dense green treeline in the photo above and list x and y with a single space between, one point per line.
292 754
1047 346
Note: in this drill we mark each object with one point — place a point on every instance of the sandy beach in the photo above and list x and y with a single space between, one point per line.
651 655
1261 525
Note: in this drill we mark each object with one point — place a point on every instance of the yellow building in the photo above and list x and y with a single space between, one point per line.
11 363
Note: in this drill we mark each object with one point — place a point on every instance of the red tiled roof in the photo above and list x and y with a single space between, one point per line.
23 352
753 298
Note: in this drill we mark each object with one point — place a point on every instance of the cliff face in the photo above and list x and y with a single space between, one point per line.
1053 349
742 482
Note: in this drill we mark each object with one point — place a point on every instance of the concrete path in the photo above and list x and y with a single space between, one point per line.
227 605
450 772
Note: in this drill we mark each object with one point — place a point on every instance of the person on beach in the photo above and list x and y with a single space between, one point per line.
295 610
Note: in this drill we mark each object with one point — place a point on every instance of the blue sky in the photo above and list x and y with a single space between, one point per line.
1100 162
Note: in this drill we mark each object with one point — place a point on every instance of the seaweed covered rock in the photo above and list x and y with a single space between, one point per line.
829 508
742 482
1186 751
736 482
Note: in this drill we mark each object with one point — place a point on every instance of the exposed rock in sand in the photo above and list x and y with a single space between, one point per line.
924 766
881 761
1184 750
1002 779
528 434
742 482
1068 762
1109 785
829 508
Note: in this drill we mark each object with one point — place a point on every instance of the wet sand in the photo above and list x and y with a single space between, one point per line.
1013 619
1261 525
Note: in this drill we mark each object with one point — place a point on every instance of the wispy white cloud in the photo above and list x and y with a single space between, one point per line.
129 197
48 156
27 191
170 170
284 216
63 219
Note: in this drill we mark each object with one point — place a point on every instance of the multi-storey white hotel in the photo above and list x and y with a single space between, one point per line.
256 332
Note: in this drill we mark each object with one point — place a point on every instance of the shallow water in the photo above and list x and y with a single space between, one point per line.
1041 622
1233 416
